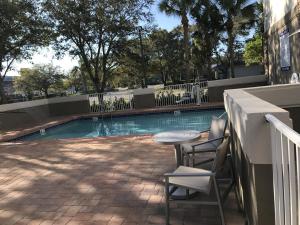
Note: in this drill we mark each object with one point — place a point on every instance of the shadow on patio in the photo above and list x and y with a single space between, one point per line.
115 180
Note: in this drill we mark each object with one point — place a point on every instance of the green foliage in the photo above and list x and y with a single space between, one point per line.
207 34
42 78
78 80
168 55
239 17
254 51
133 65
22 29
181 8
96 31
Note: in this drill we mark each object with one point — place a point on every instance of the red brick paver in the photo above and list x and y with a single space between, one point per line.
115 180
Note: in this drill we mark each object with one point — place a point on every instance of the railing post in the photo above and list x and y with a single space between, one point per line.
286 172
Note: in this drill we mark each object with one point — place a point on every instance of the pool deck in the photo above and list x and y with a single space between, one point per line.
54 121
111 180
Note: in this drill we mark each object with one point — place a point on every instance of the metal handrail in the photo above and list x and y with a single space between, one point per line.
284 129
285 149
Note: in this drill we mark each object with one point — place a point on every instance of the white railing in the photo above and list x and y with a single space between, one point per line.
181 94
113 101
286 172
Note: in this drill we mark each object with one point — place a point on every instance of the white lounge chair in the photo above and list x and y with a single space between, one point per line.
205 147
199 180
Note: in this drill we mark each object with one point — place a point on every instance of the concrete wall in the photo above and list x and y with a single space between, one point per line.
69 105
216 88
144 98
251 148
281 15
246 71
284 96
19 115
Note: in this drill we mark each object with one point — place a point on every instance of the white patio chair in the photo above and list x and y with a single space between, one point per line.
199 180
205 147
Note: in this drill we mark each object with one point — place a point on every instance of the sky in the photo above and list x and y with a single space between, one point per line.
47 55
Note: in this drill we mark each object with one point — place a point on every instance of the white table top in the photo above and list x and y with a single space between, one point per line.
177 137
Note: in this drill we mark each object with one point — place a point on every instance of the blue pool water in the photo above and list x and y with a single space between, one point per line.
128 125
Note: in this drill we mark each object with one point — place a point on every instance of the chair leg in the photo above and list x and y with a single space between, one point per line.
167 204
187 160
219 201
239 204
193 158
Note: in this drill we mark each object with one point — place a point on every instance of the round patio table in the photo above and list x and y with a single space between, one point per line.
177 138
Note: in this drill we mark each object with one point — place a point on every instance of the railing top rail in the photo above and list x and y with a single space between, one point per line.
112 93
180 85
284 129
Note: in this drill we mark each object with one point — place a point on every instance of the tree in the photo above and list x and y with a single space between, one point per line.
253 51
167 56
40 78
134 61
23 83
96 31
238 16
207 33
22 28
180 8
78 79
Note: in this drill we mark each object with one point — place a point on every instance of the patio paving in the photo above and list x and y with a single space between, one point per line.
116 180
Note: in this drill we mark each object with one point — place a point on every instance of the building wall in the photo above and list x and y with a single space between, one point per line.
276 10
279 16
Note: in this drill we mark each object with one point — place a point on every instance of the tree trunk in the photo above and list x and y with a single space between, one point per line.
3 98
265 55
209 70
231 54
163 78
185 25
93 77
96 83
103 83
46 93
143 63
83 79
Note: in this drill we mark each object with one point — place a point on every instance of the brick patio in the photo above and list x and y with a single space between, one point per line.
93 181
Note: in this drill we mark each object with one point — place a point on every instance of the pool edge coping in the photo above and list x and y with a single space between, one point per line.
56 122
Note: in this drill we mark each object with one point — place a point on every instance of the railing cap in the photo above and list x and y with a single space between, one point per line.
284 129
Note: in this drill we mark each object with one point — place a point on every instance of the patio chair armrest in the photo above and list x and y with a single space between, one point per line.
205 142
204 131
202 151
208 174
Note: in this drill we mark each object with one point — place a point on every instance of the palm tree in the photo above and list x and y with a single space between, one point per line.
239 15
180 8
208 29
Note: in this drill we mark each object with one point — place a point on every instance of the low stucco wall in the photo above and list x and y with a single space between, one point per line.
216 88
19 115
251 147
144 98
283 96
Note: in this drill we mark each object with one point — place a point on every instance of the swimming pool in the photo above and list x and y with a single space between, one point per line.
128 125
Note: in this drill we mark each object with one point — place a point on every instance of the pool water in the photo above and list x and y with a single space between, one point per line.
128 125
